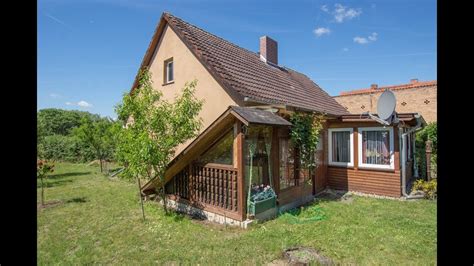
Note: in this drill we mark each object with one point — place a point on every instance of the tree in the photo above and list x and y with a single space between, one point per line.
153 128
99 136
43 167
52 121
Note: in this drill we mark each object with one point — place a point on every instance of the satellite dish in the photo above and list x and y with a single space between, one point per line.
386 105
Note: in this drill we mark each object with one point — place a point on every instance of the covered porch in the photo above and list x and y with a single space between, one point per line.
244 148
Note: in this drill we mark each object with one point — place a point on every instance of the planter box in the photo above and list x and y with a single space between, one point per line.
261 206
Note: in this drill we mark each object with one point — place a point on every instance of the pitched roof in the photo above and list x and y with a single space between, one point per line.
243 75
413 85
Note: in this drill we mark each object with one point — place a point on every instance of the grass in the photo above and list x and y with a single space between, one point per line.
99 221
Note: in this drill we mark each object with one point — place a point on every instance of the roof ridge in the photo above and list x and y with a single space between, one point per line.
192 25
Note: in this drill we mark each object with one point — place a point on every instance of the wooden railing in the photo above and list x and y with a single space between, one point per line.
211 184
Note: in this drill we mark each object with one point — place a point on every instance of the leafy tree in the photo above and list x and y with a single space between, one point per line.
153 128
99 136
43 167
53 121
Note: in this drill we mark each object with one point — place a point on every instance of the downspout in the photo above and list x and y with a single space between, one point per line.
404 159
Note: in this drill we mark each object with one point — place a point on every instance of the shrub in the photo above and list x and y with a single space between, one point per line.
429 132
428 187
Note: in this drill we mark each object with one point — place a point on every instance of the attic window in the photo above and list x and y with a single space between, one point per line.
168 73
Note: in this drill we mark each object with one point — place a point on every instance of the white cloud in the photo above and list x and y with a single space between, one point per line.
82 104
373 36
364 40
360 40
325 8
342 13
321 31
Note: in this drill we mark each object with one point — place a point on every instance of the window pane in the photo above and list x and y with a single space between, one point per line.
258 142
221 152
287 167
170 71
375 147
341 146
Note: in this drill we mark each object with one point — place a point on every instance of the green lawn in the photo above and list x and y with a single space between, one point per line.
100 222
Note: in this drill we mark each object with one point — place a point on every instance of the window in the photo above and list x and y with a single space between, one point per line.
168 75
258 143
220 152
376 147
340 142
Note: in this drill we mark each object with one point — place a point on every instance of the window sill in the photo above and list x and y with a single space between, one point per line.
168 83
375 168
341 165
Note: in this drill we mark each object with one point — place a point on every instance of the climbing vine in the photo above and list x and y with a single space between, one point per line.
305 134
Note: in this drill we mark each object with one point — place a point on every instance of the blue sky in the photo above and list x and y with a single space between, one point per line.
89 50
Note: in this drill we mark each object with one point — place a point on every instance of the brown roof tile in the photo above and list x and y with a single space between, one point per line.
240 70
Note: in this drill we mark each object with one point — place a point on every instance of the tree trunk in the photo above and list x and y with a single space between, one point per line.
163 195
140 196
42 192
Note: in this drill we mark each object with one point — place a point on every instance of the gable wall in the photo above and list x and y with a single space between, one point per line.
414 102
186 68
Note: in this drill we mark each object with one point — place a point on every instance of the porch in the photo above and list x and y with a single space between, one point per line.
244 148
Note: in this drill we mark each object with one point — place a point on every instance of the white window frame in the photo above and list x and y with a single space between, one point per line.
391 166
351 151
167 71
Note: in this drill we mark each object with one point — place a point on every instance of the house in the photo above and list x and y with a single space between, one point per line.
249 98
416 96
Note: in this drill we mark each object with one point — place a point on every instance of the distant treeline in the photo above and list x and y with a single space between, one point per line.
75 136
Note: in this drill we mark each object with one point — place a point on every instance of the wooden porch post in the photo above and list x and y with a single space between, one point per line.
275 160
239 164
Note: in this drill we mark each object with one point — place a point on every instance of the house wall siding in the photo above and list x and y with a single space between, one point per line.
414 99
186 68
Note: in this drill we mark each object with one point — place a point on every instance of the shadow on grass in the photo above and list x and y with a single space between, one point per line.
77 200
56 176
53 183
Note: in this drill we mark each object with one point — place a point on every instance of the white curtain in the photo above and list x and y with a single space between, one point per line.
341 146
375 147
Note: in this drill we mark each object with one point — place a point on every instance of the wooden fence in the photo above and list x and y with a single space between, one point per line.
211 184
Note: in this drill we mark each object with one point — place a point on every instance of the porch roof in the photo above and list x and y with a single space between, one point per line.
256 116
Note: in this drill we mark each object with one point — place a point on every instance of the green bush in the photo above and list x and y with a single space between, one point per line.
429 132
430 188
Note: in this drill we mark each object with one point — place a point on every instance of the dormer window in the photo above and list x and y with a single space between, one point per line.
168 73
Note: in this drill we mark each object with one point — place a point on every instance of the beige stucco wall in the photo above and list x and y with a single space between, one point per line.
186 68
416 100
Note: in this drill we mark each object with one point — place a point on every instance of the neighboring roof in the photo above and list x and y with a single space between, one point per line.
243 74
413 85
256 116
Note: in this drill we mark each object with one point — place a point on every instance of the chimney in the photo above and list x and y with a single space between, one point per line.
373 86
413 81
269 49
